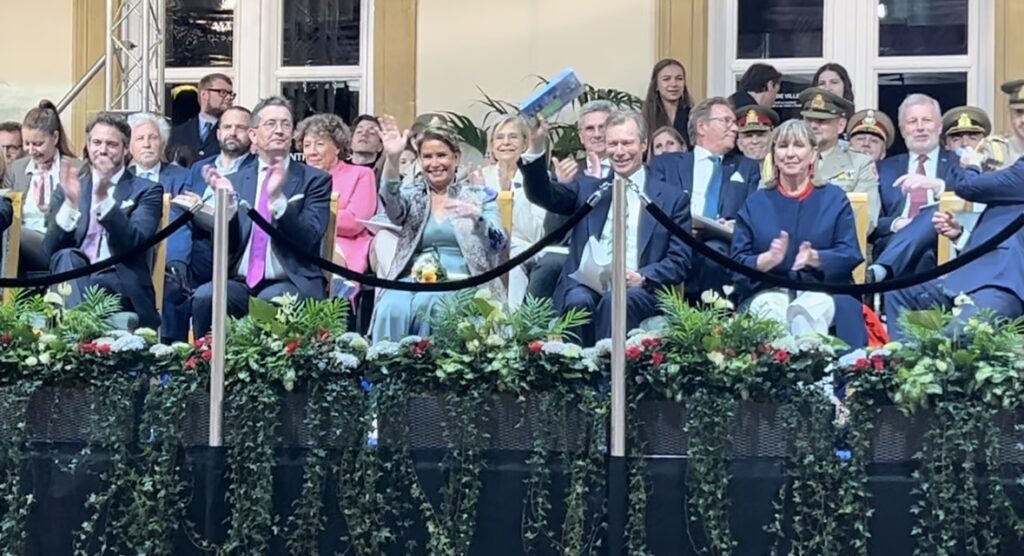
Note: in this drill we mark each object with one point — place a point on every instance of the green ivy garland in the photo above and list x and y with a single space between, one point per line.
709 423
14 400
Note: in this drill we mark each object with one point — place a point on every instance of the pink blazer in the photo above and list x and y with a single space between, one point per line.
357 200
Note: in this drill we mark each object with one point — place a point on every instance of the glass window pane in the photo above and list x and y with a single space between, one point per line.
950 89
922 27
780 29
320 97
200 33
320 33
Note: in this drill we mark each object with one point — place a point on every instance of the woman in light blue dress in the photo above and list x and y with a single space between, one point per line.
457 222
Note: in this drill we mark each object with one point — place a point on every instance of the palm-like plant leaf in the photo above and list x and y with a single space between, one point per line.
467 131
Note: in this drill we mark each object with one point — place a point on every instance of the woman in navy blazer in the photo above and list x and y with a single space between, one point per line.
795 229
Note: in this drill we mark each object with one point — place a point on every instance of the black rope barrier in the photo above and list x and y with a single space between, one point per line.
471 282
51 279
856 290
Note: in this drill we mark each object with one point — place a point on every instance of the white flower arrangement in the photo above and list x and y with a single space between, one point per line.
161 351
127 343
381 350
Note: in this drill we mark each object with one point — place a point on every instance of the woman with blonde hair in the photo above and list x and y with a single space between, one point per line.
795 229
507 144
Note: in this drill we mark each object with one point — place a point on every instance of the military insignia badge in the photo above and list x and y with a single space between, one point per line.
751 117
818 102
964 121
869 119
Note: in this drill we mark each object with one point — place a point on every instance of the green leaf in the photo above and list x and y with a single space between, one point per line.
262 311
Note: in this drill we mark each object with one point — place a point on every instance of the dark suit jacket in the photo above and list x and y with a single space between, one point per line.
188 134
6 213
676 169
308 191
175 181
664 259
739 99
893 198
200 260
134 219
1003 194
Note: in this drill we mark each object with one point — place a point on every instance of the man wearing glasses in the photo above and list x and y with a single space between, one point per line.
718 179
216 94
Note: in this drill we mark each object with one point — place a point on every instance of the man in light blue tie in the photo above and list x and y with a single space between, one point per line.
718 179
149 138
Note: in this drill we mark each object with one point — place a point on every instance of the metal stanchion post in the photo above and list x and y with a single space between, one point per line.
220 315
617 496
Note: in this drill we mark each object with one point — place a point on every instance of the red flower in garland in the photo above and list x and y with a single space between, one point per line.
419 348
103 349
651 342
323 334
878 362
206 355
202 342
291 347
93 347
657 358
6 340
536 347
191 363
634 352
860 364
782 357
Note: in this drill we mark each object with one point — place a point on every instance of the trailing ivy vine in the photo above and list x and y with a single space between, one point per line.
709 430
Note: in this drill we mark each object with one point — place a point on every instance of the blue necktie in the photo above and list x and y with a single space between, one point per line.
206 132
714 188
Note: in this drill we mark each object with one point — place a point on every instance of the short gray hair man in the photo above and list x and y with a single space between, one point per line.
140 118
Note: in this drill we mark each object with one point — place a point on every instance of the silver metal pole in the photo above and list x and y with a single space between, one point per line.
618 443
220 315
147 45
108 75
81 85
161 57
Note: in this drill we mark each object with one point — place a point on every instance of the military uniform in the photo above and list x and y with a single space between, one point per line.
873 122
1006 149
852 171
755 118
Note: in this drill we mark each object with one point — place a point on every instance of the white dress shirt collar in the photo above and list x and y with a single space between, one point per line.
31 168
153 174
113 180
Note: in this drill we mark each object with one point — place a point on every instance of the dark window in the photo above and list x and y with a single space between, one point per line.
322 97
922 27
780 29
950 89
200 33
320 33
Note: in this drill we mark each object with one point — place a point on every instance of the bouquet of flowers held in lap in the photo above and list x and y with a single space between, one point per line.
427 268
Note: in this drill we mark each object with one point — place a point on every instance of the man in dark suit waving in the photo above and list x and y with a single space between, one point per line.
996 280
654 258
107 212
216 94
717 178
294 197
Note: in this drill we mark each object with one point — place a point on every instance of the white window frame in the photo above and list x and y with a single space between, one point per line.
256 68
855 46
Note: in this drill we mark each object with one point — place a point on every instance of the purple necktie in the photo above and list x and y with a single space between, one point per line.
258 248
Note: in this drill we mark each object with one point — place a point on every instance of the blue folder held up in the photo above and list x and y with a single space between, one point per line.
552 97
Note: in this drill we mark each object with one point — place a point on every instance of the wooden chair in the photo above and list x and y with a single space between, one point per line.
859 202
160 255
949 202
328 251
11 242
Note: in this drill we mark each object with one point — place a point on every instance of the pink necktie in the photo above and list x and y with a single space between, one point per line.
258 249
93 237
40 189
918 197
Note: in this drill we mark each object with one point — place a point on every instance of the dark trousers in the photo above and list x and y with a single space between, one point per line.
238 294
107 280
931 295
32 256
849 321
706 274
912 249
544 275
640 304
177 306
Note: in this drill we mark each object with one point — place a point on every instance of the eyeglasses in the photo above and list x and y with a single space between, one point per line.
224 93
728 122
271 125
